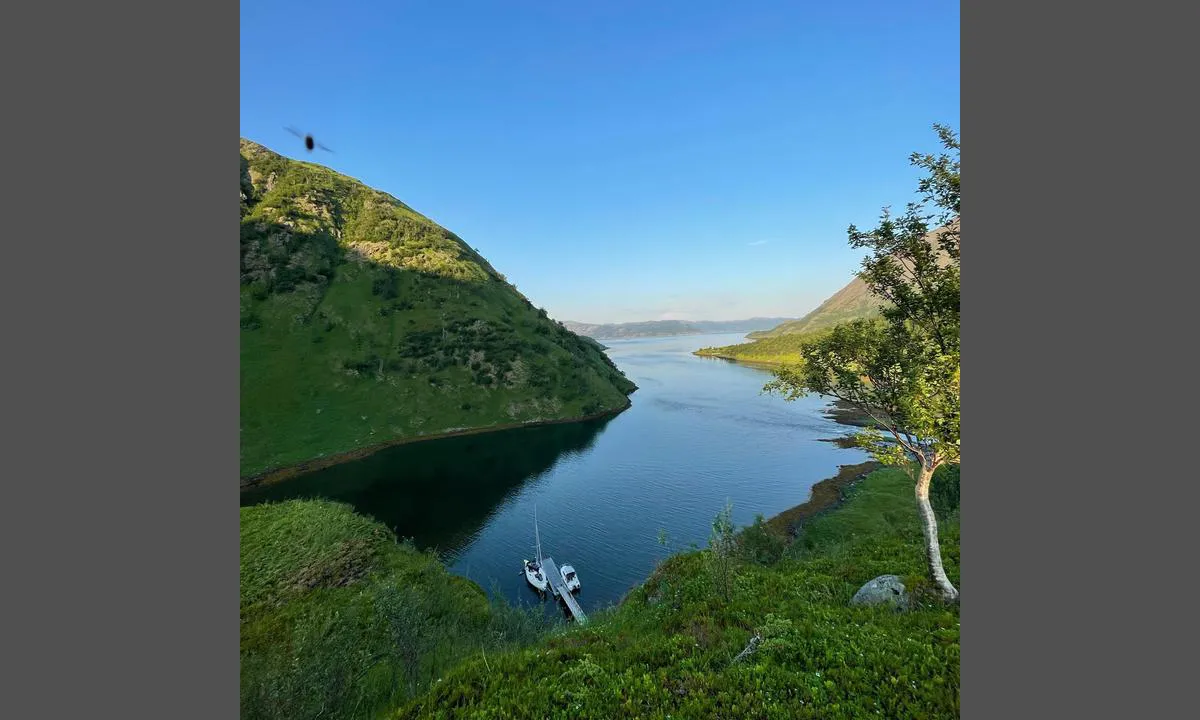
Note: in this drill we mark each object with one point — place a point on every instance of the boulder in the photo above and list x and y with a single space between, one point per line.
883 590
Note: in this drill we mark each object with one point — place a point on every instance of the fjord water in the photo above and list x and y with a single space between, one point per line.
699 431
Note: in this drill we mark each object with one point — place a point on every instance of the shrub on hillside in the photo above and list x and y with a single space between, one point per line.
250 320
759 543
943 490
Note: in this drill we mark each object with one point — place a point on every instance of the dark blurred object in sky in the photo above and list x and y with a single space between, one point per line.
309 143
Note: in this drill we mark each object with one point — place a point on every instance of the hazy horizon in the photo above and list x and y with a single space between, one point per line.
682 319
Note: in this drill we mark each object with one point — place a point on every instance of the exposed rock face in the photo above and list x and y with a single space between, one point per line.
883 590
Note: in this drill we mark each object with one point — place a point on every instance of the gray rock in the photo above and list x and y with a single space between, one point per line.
883 590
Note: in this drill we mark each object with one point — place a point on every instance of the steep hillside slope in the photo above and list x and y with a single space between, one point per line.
364 323
339 620
852 302
781 344
674 647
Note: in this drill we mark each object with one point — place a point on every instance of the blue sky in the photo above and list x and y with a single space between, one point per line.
620 161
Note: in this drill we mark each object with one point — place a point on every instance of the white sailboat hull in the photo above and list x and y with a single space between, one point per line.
534 574
536 578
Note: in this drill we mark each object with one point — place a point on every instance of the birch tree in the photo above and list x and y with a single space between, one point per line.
902 370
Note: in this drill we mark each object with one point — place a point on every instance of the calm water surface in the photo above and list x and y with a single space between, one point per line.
699 432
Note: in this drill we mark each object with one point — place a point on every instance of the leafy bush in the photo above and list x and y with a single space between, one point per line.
761 544
722 550
250 320
943 490
386 284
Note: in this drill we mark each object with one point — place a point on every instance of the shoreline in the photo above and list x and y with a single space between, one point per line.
276 475
843 413
826 495
759 364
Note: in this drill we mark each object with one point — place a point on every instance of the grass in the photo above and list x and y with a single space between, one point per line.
364 323
773 350
339 620
826 495
669 649
852 302
290 549
781 344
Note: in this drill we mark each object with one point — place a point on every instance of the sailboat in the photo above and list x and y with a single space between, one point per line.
533 568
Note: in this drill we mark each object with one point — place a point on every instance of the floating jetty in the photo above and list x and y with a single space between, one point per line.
559 587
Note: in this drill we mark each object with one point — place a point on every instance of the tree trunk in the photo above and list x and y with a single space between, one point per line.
933 550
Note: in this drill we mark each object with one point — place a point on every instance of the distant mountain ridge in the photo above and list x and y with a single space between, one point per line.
781 344
852 302
668 328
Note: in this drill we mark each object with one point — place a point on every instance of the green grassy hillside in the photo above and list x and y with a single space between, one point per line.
852 302
773 350
781 344
669 649
338 620
363 322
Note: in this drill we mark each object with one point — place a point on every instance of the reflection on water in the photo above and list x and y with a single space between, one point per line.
699 432
440 492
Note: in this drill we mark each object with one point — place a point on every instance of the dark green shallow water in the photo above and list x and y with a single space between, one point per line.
699 432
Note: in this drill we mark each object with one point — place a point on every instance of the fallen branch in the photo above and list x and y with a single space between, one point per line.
754 641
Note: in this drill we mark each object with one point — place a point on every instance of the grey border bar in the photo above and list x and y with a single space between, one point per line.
120 283
121 401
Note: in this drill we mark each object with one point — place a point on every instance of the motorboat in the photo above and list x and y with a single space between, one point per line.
569 577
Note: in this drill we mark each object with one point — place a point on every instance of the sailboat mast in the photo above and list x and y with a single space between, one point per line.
537 535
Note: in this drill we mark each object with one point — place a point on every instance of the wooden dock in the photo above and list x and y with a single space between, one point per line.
554 577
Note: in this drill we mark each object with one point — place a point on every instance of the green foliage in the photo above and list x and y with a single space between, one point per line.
860 300
722 550
771 350
249 320
386 284
853 302
667 650
904 369
943 490
365 323
942 186
341 621
908 389
294 548
760 543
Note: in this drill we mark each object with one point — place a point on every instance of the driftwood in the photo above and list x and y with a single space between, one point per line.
750 648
